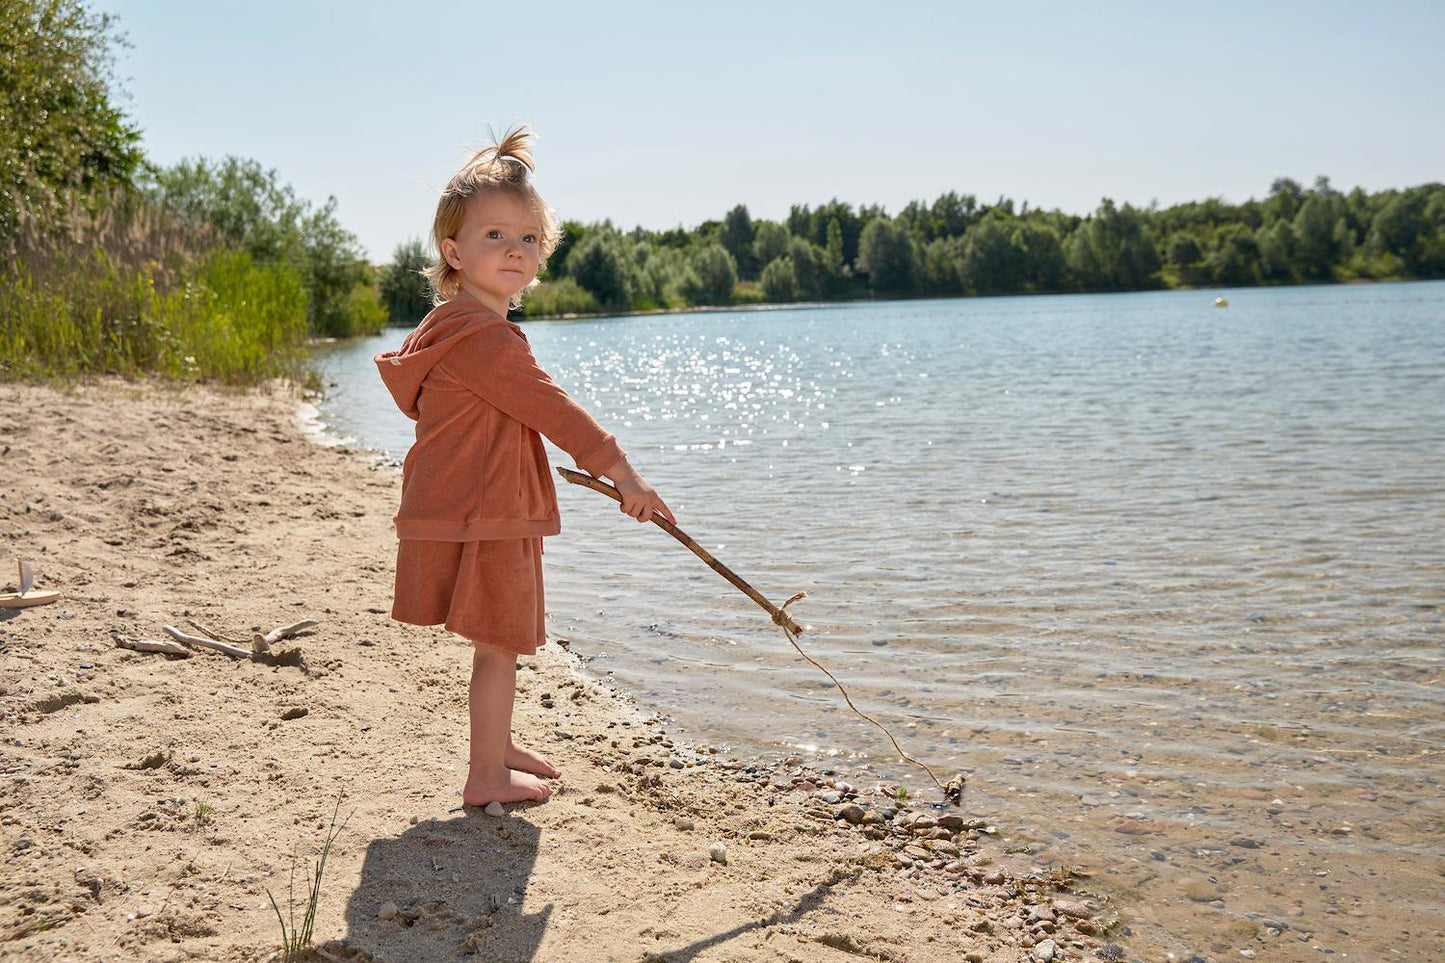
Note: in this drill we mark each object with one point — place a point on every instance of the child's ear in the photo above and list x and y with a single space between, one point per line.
449 253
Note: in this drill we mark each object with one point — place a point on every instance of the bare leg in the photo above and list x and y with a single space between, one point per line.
493 689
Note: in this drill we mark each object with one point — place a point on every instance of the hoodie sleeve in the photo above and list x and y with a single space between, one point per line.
498 366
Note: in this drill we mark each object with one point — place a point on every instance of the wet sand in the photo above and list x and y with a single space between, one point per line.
150 802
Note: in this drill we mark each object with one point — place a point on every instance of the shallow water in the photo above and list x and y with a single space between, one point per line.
1165 580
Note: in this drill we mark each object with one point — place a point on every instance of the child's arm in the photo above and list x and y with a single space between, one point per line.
501 370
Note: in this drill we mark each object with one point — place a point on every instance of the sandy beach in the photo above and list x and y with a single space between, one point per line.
150 802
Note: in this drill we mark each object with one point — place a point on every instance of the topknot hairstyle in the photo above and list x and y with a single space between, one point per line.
504 165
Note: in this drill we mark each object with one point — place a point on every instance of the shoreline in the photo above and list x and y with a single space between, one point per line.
787 305
152 801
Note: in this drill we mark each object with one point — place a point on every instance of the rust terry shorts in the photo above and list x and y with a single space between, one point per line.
489 592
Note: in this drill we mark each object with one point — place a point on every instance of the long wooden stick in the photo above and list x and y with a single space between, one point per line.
780 617
952 792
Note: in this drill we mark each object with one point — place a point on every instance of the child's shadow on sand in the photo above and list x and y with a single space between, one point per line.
470 904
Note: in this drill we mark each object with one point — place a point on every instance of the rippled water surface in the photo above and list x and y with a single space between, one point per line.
1165 580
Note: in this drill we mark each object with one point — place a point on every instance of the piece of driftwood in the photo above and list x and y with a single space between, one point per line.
235 652
150 645
260 644
952 792
287 631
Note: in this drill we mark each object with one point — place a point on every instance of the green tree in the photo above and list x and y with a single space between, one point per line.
1040 253
736 236
811 276
885 255
1235 257
938 267
595 264
1323 234
1285 199
778 282
572 233
716 274
1400 228
1278 252
990 262
835 261
953 214
770 241
813 225
62 142
1111 250
405 293
333 269
1432 244
1182 251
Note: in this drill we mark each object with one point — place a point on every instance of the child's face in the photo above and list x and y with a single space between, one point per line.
496 249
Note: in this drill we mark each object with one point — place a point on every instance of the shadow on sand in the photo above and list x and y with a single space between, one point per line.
456 885
808 902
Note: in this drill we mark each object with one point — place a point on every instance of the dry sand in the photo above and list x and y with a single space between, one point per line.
150 802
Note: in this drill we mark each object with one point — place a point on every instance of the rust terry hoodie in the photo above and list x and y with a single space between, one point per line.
478 470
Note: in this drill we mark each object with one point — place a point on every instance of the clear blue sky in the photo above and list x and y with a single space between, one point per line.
662 114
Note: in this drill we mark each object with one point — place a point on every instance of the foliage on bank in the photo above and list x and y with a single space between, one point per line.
110 264
956 246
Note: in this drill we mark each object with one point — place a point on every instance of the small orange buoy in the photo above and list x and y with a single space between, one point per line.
1221 302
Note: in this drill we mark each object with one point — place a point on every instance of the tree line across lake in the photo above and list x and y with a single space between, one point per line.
218 270
956 246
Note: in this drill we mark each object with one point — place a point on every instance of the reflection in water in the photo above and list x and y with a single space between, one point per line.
1166 581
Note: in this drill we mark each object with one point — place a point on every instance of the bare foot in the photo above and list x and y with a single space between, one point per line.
528 761
512 787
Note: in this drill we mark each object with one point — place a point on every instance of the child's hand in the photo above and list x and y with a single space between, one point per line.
639 499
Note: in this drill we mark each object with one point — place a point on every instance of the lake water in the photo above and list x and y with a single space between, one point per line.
1164 579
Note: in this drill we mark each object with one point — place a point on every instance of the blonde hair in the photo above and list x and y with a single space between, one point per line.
505 165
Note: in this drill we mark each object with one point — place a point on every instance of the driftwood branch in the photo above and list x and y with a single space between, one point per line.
287 631
233 651
259 643
149 645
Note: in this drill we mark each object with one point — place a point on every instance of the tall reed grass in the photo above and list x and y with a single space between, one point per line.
124 290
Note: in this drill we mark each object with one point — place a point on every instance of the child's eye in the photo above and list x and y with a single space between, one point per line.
494 233
530 238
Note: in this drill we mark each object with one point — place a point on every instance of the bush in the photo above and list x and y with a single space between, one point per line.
556 298
714 276
363 311
778 282
252 210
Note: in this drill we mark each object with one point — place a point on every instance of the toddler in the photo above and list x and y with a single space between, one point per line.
477 495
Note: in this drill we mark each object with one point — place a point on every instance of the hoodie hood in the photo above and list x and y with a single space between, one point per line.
405 369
